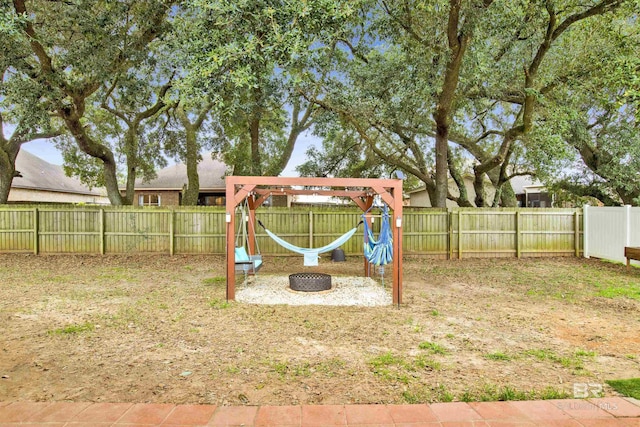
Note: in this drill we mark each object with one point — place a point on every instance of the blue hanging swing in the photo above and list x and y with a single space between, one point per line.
379 252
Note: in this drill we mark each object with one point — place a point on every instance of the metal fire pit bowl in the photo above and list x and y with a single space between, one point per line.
310 282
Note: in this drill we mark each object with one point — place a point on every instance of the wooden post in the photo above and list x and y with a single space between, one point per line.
251 229
397 222
101 237
172 232
36 240
368 203
518 235
449 235
585 231
230 238
576 237
459 234
310 229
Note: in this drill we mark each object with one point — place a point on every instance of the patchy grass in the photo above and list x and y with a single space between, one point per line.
498 355
430 349
218 280
73 329
434 348
390 367
631 291
628 388
219 304
574 361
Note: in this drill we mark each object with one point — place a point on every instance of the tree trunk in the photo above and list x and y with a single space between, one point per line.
442 185
8 155
478 186
132 161
97 150
463 199
7 172
508 196
442 115
190 197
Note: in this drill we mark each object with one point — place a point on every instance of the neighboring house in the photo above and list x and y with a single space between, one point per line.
167 188
43 182
529 193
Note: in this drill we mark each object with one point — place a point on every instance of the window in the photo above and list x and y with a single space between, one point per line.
211 199
149 200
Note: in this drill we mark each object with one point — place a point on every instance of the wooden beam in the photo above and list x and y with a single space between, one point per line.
296 192
384 195
278 181
260 200
243 193
362 204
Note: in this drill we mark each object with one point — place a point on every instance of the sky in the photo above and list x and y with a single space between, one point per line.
47 151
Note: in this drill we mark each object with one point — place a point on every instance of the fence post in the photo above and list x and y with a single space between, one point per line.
171 232
449 234
101 242
459 234
518 236
36 239
627 225
576 237
585 231
310 229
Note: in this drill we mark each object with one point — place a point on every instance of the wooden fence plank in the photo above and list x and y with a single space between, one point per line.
184 230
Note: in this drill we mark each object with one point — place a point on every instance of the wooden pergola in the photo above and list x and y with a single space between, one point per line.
257 189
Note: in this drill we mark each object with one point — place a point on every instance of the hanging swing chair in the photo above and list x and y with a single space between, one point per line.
378 252
248 264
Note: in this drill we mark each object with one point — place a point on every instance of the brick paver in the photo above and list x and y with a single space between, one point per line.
604 412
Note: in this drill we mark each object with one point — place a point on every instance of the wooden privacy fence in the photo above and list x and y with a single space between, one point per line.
454 233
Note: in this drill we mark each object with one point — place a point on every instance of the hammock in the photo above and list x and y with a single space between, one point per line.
311 254
379 252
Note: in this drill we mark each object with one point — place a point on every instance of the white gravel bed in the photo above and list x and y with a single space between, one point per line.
360 291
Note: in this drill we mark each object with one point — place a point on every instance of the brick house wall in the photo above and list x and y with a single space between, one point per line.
167 197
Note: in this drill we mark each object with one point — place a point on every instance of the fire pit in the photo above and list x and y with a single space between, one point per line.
310 282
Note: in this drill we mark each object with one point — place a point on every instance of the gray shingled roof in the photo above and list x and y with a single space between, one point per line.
38 174
210 171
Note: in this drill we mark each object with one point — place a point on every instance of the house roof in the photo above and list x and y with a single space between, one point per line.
38 174
519 183
211 173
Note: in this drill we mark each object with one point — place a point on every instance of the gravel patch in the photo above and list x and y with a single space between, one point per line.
360 291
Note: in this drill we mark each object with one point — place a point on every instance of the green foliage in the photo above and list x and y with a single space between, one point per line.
250 59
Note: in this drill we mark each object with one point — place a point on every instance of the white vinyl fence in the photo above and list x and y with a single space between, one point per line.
607 230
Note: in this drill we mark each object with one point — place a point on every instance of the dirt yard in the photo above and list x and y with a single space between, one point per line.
158 329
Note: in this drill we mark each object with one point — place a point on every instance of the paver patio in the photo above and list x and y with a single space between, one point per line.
603 412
